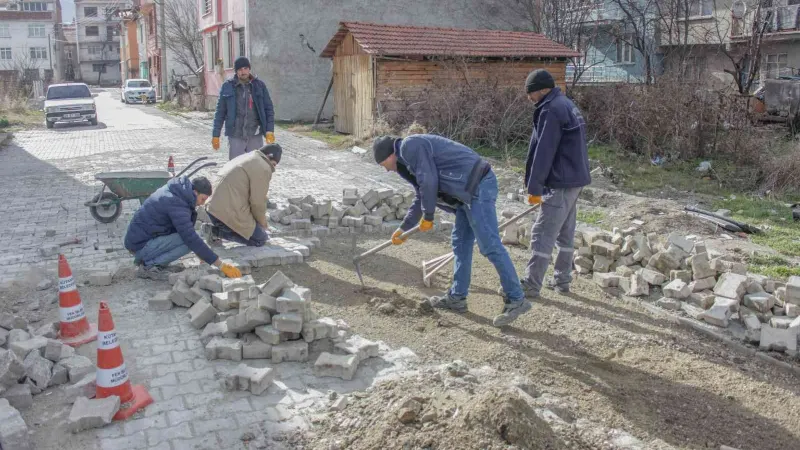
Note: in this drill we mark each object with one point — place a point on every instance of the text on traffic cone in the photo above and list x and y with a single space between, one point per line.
75 328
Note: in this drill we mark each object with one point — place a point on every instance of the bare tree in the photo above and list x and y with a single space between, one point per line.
22 71
184 40
638 25
746 56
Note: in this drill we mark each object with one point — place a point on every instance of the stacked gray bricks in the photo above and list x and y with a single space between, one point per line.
356 214
241 320
703 284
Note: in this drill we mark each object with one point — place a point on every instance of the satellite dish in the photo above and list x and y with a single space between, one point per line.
739 9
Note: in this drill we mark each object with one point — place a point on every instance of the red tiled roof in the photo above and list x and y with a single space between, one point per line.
397 40
26 15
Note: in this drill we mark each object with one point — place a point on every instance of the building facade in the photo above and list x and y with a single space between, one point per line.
69 52
97 42
31 40
223 25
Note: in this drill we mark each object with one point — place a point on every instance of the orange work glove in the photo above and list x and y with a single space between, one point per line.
396 239
534 199
425 225
269 137
230 271
215 143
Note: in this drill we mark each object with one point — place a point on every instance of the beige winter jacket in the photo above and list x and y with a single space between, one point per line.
240 198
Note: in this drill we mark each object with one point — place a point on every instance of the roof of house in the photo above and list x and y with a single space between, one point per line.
403 40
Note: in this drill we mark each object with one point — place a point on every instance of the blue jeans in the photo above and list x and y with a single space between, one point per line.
257 239
478 221
162 250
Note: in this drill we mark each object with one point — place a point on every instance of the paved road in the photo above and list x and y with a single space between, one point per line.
47 175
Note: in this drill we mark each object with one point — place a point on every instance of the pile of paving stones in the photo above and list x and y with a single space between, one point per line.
242 321
704 284
355 214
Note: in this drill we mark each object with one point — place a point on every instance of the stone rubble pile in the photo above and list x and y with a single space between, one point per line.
702 283
241 320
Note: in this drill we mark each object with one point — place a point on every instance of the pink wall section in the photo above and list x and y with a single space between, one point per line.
225 15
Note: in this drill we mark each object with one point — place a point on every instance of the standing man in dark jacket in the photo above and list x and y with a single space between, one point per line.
244 106
162 230
452 176
557 169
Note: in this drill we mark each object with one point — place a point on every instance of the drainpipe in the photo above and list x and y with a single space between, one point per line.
246 28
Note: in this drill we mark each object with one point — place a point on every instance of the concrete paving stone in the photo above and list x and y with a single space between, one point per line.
222 348
677 289
268 334
77 367
290 351
793 290
182 366
22 348
135 441
731 285
180 294
268 303
779 340
669 303
100 278
133 425
197 401
247 321
683 275
290 322
653 277
761 301
772 285
171 391
17 335
196 375
254 348
146 361
201 314
147 342
703 299
339 366
160 301
60 376
181 431
165 406
729 303
48 330
781 322
276 284
212 330
357 345
166 348
702 284
85 387
19 396
291 305
13 430
12 368
718 314
38 369
94 413
168 379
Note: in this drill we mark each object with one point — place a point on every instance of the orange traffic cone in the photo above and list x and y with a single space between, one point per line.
171 166
112 375
75 328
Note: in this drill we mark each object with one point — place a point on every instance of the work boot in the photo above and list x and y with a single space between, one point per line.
172 268
447 301
527 289
153 272
510 313
209 232
562 288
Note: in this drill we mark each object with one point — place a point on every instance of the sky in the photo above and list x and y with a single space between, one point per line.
67 10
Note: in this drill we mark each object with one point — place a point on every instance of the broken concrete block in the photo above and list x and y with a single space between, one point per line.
247 321
583 262
18 336
212 283
778 340
268 334
223 348
101 278
730 303
592 236
624 271
692 311
160 301
793 290
48 330
718 315
677 289
289 322
634 285
778 310
22 348
38 369
663 262
754 287
780 322
77 367
318 329
201 313
683 275
13 431
250 379
225 301
606 249
771 286
731 285
762 301
179 294
339 366
702 284
601 264
12 322
196 294
780 296
276 284
19 396
84 387
702 299
606 279
671 304
290 351
357 345
268 303
700 247
95 413
721 265
791 310
681 242
653 277
254 348
625 261
60 375
701 268
214 329
3 337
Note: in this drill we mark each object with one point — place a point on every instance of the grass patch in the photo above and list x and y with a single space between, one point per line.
19 119
512 156
773 266
591 217
171 107
323 133
781 233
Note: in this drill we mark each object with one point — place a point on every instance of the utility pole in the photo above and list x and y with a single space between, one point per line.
163 27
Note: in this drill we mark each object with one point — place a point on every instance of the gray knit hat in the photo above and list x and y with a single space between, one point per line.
383 147
539 79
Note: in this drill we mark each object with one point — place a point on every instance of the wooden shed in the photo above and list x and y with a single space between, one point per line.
376 66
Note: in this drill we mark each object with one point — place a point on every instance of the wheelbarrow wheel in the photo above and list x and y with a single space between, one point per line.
106 213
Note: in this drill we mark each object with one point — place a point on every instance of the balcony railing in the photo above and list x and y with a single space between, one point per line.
781 19
602 74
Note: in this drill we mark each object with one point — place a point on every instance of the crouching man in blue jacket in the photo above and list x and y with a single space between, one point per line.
452 176
557 169
162 230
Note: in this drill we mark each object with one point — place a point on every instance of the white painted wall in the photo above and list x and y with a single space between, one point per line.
16 36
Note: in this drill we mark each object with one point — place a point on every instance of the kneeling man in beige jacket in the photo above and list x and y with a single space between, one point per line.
238 207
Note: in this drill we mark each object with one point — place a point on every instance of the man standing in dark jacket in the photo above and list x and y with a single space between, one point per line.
452 176
162 229
557 169
244 106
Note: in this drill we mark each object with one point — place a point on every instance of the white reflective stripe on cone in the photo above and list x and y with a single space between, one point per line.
66 284
72 313
108 378
106 340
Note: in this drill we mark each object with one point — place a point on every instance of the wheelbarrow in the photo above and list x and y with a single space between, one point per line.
106 206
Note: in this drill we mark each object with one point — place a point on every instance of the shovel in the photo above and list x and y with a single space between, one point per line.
372 251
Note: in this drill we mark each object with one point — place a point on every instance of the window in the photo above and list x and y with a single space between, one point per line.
5 32
206 6
92 31
5 53
69 54
697 8
242 49
111 32
38 52
775 65
94 49
212 47
34 6
625 51
99 68
90 11
68 91
36 30
138 84
226 49
694 67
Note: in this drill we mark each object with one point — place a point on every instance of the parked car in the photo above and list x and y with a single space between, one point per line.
138 91
69 102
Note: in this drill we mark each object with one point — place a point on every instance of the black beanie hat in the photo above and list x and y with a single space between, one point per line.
383 147
272 151
201 185
240 63
539 79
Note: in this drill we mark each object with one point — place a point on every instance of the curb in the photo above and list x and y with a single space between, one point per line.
5 138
